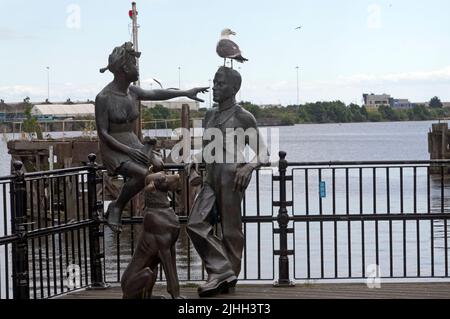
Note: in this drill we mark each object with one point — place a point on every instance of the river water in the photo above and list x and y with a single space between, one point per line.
328 142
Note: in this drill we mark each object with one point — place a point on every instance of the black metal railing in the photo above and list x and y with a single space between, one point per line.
301 221
353 220
52 244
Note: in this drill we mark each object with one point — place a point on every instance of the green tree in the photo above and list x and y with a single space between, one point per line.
357 114
30 124
419 113
374 116
252 108
435 103
388 113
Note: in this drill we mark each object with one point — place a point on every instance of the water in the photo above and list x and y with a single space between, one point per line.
329 142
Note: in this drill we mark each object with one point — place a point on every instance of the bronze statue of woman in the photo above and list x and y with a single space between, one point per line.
117 116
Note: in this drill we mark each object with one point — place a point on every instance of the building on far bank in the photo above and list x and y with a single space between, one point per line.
63 111
12 111
271 106
403 104
172 104
374 101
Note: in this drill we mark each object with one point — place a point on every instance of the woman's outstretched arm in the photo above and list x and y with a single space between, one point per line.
161 95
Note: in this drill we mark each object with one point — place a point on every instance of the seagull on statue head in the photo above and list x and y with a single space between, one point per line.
228 49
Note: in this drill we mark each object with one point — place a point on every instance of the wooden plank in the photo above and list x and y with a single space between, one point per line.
308 291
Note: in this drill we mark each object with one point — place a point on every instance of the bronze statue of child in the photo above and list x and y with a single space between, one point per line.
117 120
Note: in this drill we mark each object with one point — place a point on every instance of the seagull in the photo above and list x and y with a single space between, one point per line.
228 49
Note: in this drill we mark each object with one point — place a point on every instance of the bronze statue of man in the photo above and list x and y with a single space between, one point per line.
224 186
117 116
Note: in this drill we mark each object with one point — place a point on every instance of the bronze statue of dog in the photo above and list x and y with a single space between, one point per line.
156 243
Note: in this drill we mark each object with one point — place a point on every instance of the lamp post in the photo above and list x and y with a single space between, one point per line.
48 83
298 94
210 89
240 90
179 77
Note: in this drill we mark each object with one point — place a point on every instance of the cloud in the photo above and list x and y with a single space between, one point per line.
374 17
416 76
10 34
20 91
415 85
58 92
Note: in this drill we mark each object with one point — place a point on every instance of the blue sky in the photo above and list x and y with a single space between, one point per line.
344 48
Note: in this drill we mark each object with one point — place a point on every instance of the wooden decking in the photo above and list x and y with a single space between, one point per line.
300 291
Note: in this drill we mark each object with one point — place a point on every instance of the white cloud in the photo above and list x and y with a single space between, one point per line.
374 17
10 34
58 92
415 85
416 76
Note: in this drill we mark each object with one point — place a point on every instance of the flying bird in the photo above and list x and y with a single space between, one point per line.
227 48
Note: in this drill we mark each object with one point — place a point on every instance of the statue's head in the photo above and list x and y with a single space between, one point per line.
123 61
227 83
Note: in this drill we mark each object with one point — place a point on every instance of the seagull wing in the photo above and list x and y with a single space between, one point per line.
227 49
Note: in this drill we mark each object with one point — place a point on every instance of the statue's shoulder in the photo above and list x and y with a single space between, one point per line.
101 96
245 117
210 112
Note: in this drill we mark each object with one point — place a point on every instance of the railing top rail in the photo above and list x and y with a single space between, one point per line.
368 163
57 171
6 178
174 166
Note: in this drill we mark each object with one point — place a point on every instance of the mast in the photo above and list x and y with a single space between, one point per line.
133 16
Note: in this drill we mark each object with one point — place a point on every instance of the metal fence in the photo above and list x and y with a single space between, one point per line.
383 219
301 221
51 232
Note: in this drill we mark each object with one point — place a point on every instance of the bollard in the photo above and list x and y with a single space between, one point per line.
21 281
94 208
283 230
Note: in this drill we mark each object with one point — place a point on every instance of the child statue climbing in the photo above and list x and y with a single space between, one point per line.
117 116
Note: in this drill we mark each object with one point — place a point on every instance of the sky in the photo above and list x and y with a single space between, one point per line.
343 49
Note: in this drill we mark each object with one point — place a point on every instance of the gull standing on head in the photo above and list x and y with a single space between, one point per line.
227 48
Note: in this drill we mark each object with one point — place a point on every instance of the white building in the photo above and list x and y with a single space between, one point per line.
63 110
374 101
172 104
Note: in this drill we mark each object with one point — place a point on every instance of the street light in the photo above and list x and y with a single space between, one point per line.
298 95
240 90
179 78
48 84
210 89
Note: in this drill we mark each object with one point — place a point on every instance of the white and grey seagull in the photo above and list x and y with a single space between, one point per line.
228 49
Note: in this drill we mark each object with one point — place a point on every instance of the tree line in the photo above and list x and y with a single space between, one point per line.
318 112
339 112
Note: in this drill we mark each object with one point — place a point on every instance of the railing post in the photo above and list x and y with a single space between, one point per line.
283 220
94 209
21 282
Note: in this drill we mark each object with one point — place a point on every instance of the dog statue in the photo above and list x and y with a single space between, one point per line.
156 244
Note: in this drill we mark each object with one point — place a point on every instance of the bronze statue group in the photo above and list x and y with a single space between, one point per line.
124 153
